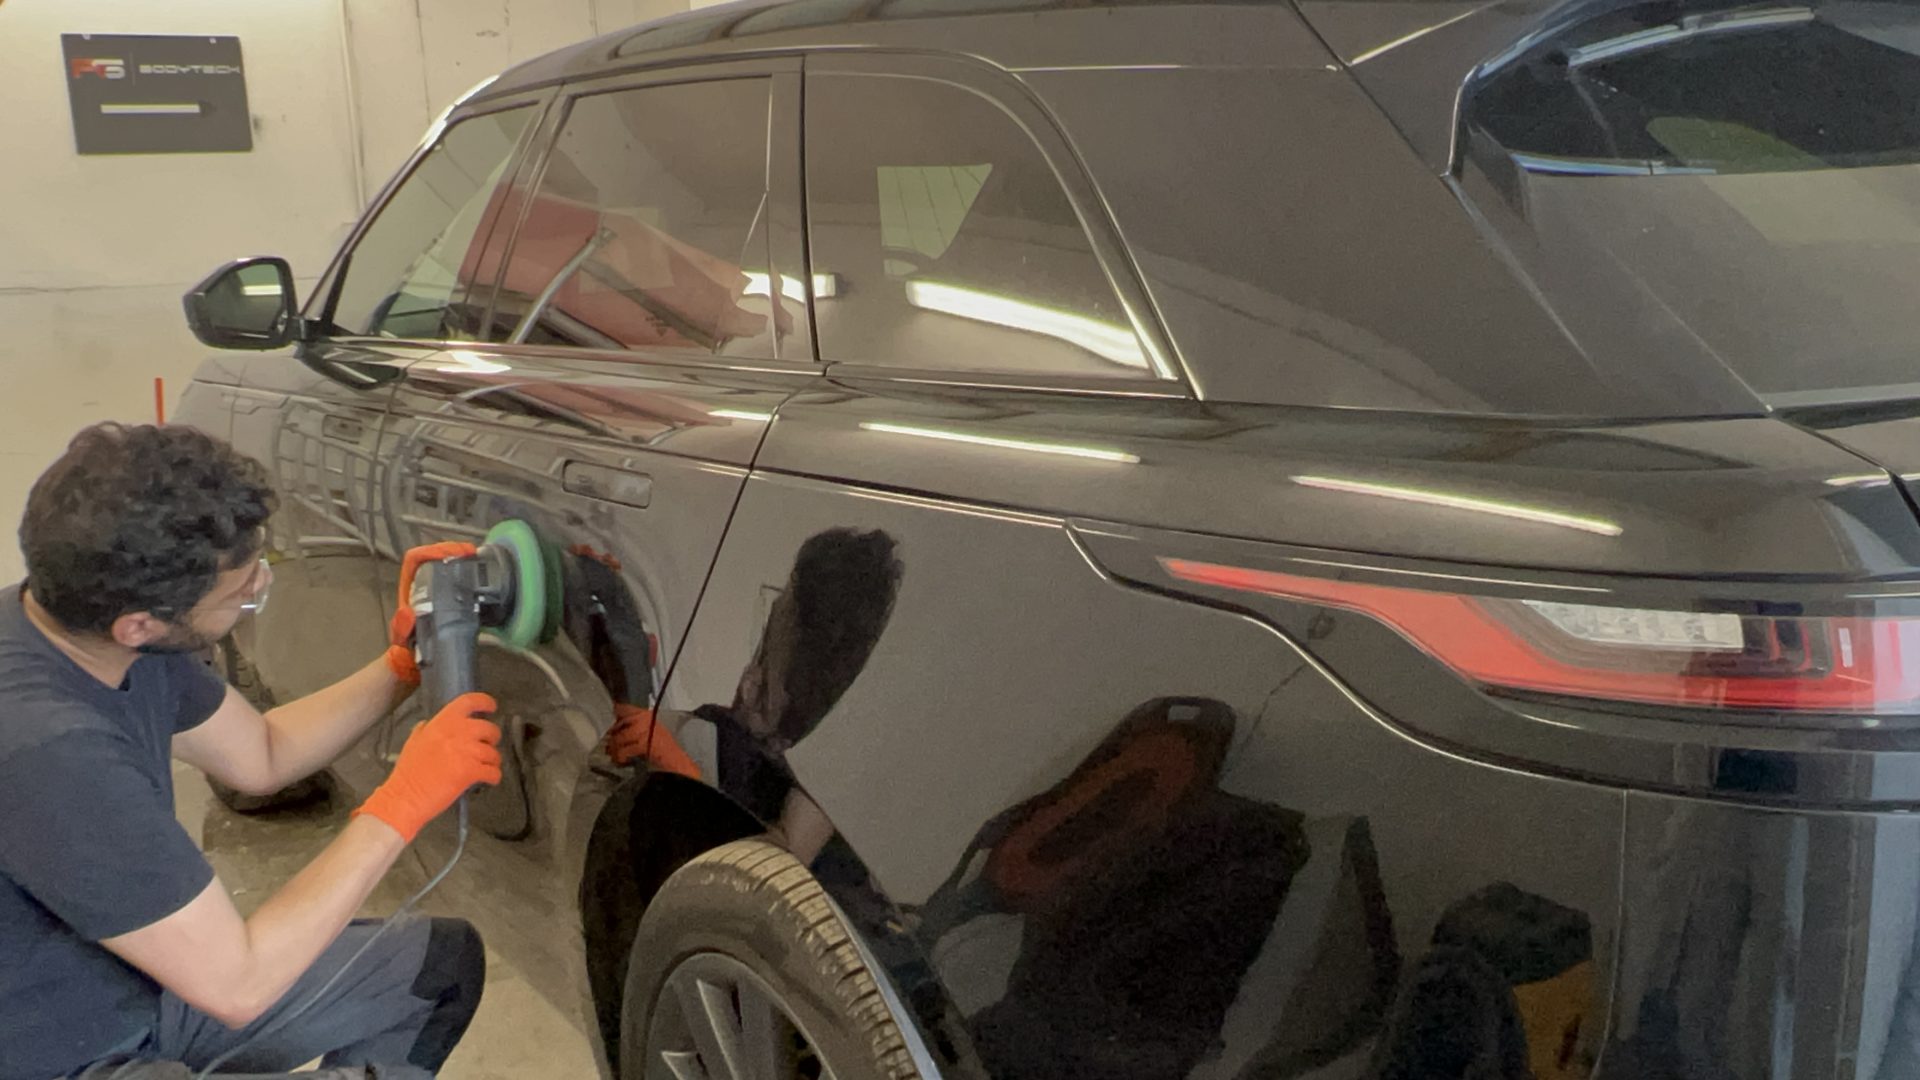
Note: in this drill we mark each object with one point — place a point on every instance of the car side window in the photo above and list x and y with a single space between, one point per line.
648 229
942 238
410 274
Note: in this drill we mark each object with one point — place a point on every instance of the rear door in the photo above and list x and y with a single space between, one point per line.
647 321
904 650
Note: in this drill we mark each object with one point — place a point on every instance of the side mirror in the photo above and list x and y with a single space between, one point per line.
246 304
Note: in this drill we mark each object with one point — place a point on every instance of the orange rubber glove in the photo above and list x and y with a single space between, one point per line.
400 631
636 735
443 757
405 668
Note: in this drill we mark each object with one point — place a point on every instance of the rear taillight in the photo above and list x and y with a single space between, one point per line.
1863 663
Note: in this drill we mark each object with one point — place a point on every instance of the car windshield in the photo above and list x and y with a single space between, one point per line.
1745 179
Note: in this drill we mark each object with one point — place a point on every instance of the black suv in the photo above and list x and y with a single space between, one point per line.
1166 540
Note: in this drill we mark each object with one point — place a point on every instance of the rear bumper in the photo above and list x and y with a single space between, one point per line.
1472 915
1764 944
1687 939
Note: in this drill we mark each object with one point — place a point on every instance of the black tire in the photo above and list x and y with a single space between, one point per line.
739 927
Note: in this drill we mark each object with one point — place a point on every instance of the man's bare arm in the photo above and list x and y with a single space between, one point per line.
258 754
234 969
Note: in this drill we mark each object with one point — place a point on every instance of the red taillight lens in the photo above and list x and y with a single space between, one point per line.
1831 664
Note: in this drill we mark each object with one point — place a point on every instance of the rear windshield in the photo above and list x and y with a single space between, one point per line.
1751 89
1736 182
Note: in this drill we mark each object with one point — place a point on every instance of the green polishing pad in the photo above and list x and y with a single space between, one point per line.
525 627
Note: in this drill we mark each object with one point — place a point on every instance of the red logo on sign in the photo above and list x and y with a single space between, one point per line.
104 69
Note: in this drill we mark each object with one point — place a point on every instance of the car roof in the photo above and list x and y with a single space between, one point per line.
1013 34
1412 55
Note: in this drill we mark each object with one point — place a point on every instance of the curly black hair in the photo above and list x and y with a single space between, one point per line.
141 518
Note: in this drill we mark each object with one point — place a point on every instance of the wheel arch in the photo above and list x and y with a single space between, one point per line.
651 825
655 823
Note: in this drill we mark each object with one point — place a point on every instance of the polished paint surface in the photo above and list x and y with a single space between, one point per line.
1087 816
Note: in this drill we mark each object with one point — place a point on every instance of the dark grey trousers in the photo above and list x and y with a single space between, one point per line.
396 1014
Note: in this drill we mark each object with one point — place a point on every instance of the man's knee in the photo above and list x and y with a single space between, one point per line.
452 976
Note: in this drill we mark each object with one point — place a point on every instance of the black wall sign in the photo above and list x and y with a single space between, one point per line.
152 94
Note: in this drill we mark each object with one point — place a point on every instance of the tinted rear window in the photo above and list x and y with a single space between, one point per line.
1736 183
1752 89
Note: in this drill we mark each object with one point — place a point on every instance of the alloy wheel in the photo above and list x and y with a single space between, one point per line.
715 1019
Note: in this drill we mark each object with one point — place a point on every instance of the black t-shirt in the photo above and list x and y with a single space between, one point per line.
89 846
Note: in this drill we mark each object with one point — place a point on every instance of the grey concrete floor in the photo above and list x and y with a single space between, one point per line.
68 359
530 1025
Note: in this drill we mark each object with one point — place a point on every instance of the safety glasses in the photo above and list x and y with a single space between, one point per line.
259 587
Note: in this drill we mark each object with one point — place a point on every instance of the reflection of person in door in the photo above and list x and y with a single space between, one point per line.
820 631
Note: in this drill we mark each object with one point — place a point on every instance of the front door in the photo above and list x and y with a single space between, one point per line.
648 321
318 420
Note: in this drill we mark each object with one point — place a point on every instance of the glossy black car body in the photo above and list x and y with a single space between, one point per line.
934 620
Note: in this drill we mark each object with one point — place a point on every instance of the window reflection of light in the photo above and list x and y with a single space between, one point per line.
1410 38
1686 29
261 290
1108 341
466 362
1879 479
825 286
742 414
1517 511
1090 452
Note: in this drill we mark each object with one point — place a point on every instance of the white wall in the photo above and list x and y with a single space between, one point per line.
68 221
412 60
95 251
319 150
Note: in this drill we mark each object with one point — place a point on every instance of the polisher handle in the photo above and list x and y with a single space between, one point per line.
448 633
